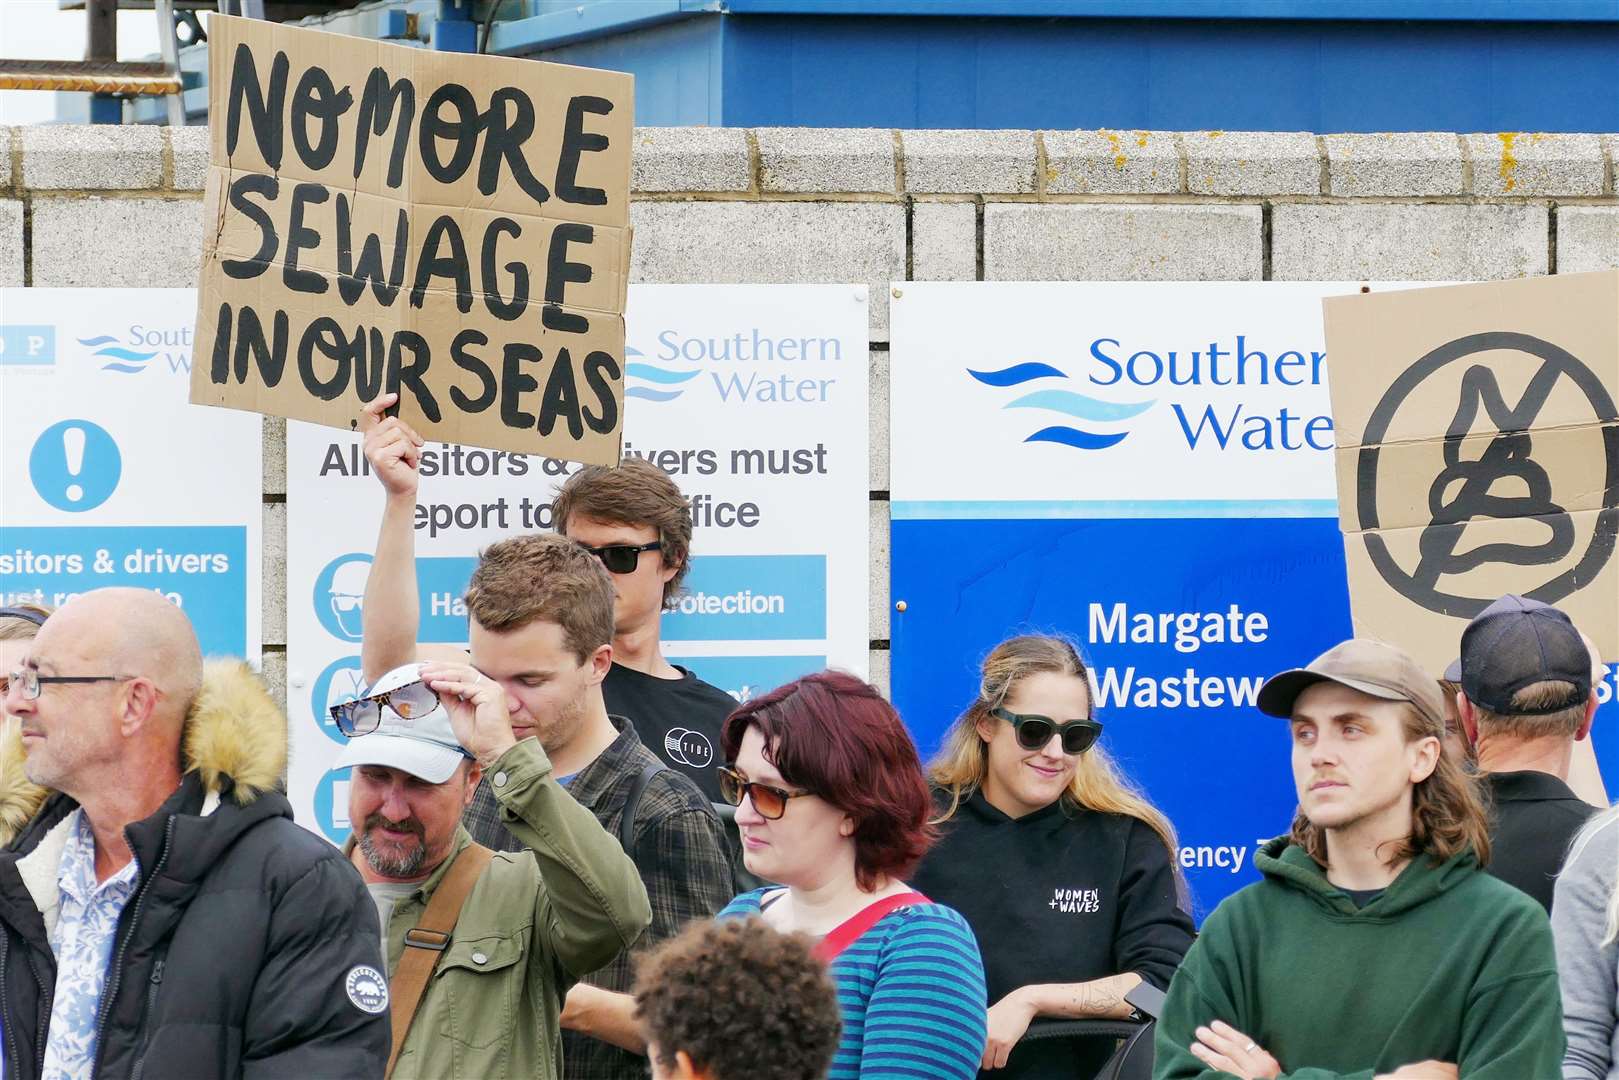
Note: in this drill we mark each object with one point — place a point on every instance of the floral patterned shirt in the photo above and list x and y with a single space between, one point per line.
86 925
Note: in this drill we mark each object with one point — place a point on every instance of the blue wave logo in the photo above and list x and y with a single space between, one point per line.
651 382
127 361
1069 403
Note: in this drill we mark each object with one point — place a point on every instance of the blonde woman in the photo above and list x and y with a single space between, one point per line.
1064 871
19 623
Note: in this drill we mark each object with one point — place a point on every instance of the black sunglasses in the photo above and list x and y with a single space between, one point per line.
771 802
364 715
1033 732
622 558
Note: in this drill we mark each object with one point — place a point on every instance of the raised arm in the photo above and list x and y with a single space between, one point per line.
392 610
593 905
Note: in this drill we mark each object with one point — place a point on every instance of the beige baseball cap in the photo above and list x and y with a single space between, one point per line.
1371 667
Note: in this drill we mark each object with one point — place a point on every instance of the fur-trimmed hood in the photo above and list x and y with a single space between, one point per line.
234 730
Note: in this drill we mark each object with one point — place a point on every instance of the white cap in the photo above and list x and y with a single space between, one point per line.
425 747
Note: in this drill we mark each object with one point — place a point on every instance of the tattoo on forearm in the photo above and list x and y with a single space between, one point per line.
1099 997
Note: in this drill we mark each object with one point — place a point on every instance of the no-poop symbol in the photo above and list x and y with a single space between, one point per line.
1504 481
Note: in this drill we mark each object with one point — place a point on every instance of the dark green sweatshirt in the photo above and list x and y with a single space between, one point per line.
1447 964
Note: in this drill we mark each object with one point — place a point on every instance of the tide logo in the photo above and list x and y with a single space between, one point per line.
688 747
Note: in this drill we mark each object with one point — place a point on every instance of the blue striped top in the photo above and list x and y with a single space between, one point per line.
911 991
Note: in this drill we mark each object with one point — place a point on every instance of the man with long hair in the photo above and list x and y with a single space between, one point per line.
1375 945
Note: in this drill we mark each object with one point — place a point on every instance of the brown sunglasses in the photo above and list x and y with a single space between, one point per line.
771 802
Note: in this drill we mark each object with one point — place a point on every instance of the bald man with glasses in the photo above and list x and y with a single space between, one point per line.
160 912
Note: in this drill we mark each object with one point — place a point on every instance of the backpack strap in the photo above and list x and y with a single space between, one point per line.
425 942
632 803
848 932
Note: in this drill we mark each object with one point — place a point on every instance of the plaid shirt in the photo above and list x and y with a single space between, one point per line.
677 843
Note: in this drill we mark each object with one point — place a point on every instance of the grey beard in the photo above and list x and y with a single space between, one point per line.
394 866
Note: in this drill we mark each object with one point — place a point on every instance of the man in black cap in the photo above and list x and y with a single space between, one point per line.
1526 698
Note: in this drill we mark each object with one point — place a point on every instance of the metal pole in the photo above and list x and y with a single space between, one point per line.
101 20
170 45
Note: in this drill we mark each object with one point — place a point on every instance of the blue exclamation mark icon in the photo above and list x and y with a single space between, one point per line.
75 465
73 445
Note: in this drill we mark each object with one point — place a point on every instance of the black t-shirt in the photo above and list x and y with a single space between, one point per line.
1058 896
1536 817
1361 897
677 719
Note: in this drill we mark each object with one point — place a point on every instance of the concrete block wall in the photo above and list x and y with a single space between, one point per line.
121 206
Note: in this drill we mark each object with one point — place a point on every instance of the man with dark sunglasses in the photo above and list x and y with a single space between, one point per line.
536 605
635 520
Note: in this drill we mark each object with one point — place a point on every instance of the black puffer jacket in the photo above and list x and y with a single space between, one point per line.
245 947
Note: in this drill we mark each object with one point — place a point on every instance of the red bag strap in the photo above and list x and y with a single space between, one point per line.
849 931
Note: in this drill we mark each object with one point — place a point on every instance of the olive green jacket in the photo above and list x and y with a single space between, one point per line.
534 923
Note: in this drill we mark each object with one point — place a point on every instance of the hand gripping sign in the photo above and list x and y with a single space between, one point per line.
452 228
1478 454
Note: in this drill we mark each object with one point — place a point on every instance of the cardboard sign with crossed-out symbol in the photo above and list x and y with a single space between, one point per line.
1478 454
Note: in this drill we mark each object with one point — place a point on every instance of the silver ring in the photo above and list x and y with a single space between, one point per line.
1250 1048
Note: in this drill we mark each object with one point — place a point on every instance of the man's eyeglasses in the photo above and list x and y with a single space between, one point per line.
363 716
28 681
622 558
1033 732
771 802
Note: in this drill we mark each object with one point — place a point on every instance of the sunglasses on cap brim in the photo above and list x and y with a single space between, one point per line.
362 716
1034 732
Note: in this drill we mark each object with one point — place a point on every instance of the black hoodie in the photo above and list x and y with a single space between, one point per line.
1062 895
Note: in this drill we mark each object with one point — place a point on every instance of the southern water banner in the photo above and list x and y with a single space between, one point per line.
752 397
1147 468
109 477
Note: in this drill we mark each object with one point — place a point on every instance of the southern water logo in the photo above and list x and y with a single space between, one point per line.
134 352
652 382
1056 399
747 366
126 360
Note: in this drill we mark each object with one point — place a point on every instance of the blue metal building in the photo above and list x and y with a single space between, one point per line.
1280 65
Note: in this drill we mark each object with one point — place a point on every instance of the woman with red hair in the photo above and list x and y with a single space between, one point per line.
831 802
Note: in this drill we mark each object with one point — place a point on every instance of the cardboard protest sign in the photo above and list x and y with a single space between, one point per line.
451 227
1478 454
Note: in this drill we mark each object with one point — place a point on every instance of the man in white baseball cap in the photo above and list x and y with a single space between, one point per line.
520 927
